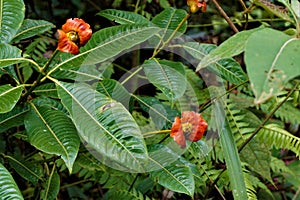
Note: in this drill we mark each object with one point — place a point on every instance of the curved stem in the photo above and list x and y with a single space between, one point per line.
156 132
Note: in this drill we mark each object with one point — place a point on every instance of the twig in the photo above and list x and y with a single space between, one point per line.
220 9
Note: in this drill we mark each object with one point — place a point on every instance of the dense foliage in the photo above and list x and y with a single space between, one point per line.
99 123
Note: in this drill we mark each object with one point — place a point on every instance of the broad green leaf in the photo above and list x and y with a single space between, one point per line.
105 126
123 17
47 89
233 163
51 186
114 90
30 28
8 55
172 173
270 65
27 169
229 48
258 157
168 76
228 69
109 42
169 20
11 18
49 102
13 118
161 114
46 126
9 189
9 96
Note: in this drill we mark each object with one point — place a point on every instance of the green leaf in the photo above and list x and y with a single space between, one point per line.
123 17
106 126
9 189
169 20
175 176
168 76
31 28
13 118
114 90
47 89
227 69
161 114
9 96
231 155
270 65
109 42
11 18
51 187
229 48
8 55
28 170
273 134
258 157
45 126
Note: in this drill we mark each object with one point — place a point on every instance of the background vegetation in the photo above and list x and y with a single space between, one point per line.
239 68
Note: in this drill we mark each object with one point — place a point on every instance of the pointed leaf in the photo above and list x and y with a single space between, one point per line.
172 173
9 96
9 189
30 28
53 132
7 55
169 20
229 48
109 42
51 187
166 75
228 69
105 125
258 157
123 17
13 118
270 64
11 18
231 155
28 170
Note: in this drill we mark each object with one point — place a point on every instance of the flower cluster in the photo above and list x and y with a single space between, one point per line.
195 5
191 126
75 33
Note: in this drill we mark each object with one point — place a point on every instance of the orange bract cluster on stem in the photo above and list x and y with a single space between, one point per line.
75 33
191 126
195 5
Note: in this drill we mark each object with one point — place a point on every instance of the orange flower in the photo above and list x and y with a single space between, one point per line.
190 126
195 5
75 33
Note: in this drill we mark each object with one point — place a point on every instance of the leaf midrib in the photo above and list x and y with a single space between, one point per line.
97 123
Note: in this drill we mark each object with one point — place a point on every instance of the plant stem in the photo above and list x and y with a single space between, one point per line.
269 117
157 50
220 9
40 76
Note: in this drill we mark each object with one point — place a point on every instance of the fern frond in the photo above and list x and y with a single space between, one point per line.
273 134
38 47
240 124
287 112
251 192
